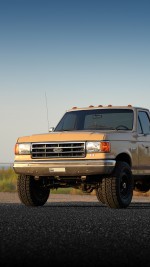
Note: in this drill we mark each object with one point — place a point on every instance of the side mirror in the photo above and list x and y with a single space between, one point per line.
51 129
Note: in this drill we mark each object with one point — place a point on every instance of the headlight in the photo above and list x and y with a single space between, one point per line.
93 147
102 146
23 149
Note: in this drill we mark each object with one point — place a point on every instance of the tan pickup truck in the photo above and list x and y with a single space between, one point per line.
103 148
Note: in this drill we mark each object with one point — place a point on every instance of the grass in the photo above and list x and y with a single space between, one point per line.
8 183
8 180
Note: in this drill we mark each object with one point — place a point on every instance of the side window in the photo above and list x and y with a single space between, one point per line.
143 123
139 127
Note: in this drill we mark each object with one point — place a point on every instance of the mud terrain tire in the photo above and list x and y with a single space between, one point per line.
118 190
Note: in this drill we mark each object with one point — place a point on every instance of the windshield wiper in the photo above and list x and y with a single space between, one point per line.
105 128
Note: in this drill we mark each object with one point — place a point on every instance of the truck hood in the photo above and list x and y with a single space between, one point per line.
63 136
77 136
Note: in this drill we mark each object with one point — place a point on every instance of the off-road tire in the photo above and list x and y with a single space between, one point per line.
118 190
30 191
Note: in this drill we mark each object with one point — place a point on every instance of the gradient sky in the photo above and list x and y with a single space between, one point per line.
70 53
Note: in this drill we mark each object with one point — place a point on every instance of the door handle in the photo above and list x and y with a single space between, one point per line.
145 146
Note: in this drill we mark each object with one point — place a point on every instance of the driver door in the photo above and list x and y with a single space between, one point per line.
143 142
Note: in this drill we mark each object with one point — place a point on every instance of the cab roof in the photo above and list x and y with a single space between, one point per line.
106 107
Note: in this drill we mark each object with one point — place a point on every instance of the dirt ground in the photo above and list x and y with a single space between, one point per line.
6 197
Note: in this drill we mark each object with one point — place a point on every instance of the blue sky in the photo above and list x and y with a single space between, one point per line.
78 52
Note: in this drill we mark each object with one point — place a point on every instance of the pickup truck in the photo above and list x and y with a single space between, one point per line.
101 148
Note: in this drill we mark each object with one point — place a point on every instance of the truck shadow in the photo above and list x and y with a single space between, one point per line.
139 205
73 204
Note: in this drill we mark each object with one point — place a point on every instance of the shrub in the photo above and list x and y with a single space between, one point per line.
8 180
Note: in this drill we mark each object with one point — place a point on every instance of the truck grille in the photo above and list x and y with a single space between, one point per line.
58 150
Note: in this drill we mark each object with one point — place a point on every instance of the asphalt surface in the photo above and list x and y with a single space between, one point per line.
70 233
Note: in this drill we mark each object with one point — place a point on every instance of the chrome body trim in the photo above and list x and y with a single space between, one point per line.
64 168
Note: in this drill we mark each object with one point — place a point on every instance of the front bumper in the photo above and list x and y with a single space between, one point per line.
64 168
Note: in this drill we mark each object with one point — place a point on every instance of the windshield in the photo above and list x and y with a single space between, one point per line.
96 119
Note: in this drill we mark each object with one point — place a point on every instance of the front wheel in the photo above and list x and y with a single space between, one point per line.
31 192
118 190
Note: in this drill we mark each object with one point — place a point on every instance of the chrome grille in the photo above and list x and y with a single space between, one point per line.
58 150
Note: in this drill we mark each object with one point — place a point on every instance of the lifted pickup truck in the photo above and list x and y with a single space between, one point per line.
103 148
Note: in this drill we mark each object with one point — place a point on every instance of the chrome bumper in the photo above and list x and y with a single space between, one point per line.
64 168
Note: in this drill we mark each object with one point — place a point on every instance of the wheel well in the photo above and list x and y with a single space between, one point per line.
124 157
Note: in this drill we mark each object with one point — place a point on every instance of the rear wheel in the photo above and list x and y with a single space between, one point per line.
118 189
31 192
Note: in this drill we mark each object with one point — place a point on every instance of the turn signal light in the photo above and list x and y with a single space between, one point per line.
105 146
16 149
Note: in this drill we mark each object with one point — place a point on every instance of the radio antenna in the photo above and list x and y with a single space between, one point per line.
47 110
